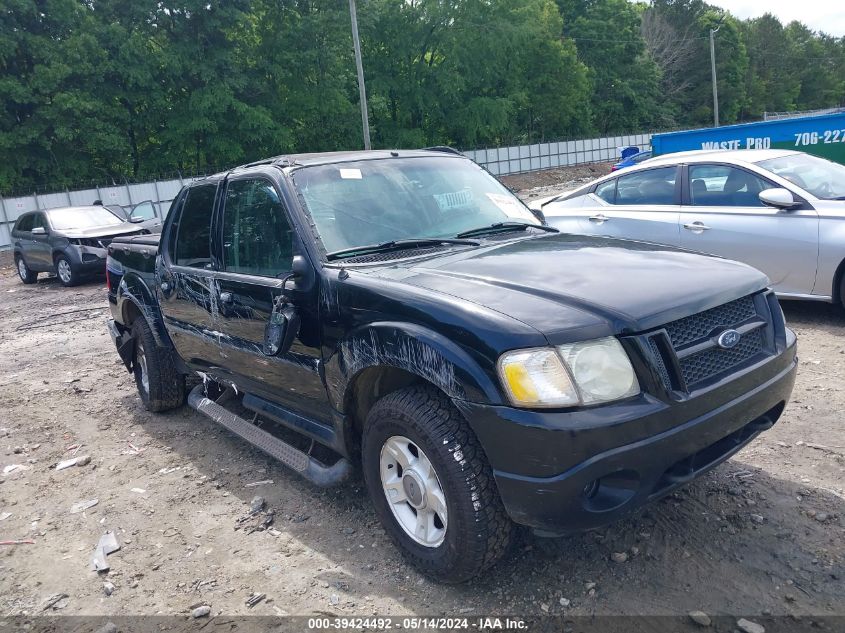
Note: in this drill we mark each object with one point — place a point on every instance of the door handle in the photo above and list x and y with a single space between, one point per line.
696 226
599 218
226 297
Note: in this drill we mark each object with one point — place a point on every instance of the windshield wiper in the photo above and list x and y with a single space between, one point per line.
499 227
396 245
560 196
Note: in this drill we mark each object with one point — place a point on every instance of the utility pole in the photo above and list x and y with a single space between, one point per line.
713 73
362 91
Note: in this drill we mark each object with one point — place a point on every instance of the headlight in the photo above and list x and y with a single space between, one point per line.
601 369
589 372
537 377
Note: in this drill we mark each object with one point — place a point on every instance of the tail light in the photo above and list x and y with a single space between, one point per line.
113 267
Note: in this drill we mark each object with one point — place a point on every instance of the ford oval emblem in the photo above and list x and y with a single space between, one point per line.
728 339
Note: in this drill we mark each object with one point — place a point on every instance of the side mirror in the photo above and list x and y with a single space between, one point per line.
135 220
39 230
538 213
283 327
779 198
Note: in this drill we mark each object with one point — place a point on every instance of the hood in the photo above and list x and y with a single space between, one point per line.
101 231
572 287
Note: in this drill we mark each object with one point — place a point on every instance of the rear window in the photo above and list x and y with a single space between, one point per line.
193 246
82 218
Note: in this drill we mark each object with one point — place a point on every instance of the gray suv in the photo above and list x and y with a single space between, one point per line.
70 242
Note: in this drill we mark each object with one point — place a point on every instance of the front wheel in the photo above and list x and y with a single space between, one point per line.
65 272
431 485
159 383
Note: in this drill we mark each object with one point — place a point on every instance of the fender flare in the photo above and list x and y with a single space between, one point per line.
132 289
412 348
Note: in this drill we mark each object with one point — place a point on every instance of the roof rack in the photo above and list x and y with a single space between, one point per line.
442 148
282 161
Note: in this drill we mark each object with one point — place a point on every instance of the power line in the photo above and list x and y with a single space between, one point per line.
640 41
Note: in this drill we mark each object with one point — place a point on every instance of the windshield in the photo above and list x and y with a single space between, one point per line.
82 218
376 201
820 177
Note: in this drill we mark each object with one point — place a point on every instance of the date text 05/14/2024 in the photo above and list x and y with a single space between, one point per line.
490 623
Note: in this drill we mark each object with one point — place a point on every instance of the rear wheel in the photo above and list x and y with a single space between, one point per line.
65 272
431 485
27 276
159 383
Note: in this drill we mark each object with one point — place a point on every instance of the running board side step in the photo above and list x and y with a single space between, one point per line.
316 472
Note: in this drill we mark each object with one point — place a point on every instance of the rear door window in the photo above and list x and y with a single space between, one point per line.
257 237
193 245
652 186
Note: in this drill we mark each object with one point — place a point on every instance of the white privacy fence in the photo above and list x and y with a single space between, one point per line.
161 192
500 161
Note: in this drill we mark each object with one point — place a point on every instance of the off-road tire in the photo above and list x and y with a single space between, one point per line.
27 276
478 531
165 385
74 277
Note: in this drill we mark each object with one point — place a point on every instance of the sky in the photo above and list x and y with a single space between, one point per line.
819 15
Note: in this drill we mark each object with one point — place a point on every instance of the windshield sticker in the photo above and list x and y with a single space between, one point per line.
351 174
511 207
453 199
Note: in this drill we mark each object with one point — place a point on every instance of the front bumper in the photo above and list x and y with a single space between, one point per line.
567 471
87 260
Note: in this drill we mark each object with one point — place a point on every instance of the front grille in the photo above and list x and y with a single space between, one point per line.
716 361
687 355
697 326
661 364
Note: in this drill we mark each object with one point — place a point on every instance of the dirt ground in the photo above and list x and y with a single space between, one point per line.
548 182
760 535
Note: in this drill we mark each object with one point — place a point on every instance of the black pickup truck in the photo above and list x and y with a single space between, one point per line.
404 313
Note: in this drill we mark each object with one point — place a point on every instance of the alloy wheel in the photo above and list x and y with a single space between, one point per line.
413 491
65 273
141 359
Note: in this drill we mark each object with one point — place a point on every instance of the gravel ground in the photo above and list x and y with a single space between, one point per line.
762 534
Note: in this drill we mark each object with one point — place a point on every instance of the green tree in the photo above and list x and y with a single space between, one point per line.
772 80
624 80
52 120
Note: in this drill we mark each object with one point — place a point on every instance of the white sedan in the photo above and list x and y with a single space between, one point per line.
781 211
